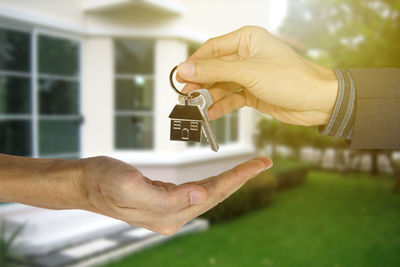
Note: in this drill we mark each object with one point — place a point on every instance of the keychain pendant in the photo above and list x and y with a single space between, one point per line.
190 118
186 123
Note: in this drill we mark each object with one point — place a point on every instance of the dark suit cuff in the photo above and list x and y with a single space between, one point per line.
341 122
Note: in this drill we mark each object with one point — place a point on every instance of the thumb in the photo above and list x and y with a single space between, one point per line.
212 71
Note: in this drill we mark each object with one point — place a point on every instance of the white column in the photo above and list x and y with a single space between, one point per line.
168 53
97 96
247 126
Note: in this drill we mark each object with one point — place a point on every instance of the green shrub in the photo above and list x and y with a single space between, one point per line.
259 191
7 257
289 172
255 194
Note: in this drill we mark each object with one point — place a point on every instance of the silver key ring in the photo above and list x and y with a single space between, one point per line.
171 81
200 97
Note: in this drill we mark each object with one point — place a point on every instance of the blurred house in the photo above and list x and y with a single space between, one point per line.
81 78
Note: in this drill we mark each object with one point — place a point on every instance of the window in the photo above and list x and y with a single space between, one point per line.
225 128
15 93
39 94
176 125
134 85
194 126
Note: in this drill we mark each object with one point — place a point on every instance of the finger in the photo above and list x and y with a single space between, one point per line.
220 90
219 46
228 57
231 57
226 105
231 180
153 221
134 191
190 87
179 78
168 198
167 186
222 186
214 70
194 86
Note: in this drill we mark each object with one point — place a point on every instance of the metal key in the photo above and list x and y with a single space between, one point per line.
202 98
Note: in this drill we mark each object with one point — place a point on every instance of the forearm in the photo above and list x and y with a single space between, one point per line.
46 183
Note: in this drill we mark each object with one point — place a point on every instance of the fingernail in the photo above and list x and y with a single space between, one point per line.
196 197
267 162
186 69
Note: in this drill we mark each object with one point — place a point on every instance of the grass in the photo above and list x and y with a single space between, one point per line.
330 221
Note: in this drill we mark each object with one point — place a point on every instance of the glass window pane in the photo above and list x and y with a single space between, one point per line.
15 50
15 95
134 132
234 130
58 137
58 56
218 127
15 137
134 94
58 97
134 56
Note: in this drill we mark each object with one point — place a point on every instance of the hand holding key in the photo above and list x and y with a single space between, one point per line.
250 67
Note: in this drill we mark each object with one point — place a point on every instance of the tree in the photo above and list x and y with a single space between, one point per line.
267 134
346 34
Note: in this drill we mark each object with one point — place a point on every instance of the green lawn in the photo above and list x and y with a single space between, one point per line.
329 221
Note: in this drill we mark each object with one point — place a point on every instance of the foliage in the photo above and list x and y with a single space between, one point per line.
347 34
295 137
7 257
255 194
259 191
330 221
290 173
270 131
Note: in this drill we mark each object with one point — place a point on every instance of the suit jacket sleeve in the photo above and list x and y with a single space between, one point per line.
377 108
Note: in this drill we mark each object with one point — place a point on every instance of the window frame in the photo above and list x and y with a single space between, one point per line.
227 125
34 76
140 113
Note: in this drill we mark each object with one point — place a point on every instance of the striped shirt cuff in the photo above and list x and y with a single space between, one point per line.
341 122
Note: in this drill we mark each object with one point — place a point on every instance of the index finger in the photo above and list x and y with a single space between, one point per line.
222 186
204 52
223 45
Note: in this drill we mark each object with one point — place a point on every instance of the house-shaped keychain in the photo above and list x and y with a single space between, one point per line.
186 123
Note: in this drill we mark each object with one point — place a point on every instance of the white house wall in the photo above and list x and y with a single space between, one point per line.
216 17
62 14
97 96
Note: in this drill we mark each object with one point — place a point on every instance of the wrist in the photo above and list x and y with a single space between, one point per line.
59 180
328 87
78 183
